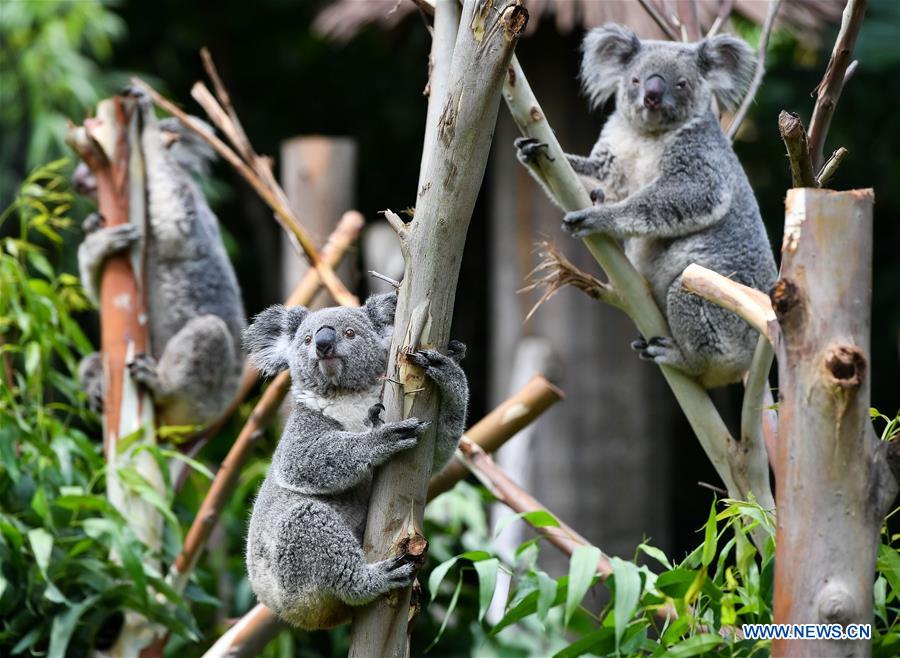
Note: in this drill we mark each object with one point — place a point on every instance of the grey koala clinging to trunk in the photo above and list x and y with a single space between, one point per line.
671 187
304 550
194 303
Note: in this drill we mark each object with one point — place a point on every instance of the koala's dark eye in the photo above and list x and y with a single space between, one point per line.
349 333
635 81
307 339
681 84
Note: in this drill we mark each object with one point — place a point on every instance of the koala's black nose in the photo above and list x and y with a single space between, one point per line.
326 337
654 89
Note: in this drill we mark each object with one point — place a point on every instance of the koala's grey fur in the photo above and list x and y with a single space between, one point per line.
672 188
304 550
194 303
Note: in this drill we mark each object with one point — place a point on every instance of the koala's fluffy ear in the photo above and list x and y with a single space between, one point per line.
381 309
268 338
728 64
605 53
189 150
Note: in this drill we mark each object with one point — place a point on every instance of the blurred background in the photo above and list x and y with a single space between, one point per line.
616 459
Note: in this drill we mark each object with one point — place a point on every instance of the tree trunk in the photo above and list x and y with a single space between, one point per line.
110 145
433 245
834 482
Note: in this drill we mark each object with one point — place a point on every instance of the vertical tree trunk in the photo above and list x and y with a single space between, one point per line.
834 482
110 145
433 245
318 175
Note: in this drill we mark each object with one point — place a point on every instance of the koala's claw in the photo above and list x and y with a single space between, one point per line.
92 223
530 148
579 223
374 415
144 371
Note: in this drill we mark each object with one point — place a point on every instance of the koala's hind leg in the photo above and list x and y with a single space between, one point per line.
197 374
707 340
320 559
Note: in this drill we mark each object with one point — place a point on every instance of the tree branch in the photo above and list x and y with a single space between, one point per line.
830 166
794 137
664 24
725 7
487 36
259 175
829 89
740 470
768 24
753 306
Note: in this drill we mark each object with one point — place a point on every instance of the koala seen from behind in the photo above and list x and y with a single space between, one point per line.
304 549
194 302
671 187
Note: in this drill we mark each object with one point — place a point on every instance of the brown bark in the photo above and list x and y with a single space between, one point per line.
794 136
834 480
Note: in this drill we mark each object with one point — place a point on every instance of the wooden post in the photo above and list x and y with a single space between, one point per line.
318 175
433 245
833 477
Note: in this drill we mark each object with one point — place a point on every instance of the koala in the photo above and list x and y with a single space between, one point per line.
671 187
196 315
304 548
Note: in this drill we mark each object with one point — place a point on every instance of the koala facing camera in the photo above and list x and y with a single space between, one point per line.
304 549
669 185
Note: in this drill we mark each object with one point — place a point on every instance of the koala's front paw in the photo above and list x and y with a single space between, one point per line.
137 93
529 148
144 371
397 572
402 435
584 222
112 239
93 223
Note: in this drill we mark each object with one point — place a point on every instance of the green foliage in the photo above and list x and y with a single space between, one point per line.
61 593
48 73
723 583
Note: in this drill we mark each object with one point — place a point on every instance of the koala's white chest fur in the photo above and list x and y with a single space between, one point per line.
637 157
349 409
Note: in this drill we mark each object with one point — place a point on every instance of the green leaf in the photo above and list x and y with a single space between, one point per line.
546 594
32 357
537 518
656 554
709 540
695 646
487 583
528 604
64 624
42 546
675 583
889 566
438 574
582 569
599 643
628 593
450 609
